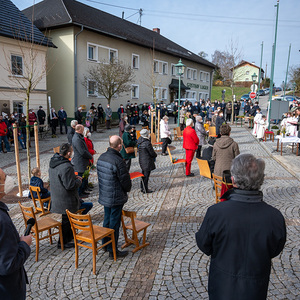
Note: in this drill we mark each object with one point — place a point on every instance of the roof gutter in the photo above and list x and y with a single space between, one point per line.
75 69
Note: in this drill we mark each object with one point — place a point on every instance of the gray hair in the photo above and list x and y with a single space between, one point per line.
248 172
85 131
199 118
73 123
189 122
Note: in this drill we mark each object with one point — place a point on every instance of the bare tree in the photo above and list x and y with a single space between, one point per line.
295 76
109 79
203 54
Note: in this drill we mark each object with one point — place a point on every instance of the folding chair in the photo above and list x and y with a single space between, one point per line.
85 232
138 134
134 175
154 142
56 149
204 168
175 161
135 226
40 201
43 224
218 186
212 131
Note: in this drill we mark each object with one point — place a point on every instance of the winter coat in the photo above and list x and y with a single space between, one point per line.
108 113
229 108
201 133
78 116
122 125
219 122
164 129
146 154
70 135
36 181
62 115
90 147
182 113
32 118
190 139
13 254
128 141
225 150
241 235
41 116
114 179
82 155
3 128
64 194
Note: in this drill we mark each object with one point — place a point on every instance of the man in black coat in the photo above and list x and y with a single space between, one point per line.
78 115
114 184
41 117
14 251
242 235
146 158
71 132
219 121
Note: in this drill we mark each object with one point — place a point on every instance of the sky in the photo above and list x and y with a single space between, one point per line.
205 25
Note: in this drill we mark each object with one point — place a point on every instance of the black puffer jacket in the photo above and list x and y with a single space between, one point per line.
114 179
146 154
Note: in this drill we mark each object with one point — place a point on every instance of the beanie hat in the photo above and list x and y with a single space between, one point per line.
144 133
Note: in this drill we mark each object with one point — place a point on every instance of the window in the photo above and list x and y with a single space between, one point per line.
188 73
205 96
156 93
112 55
200 96
247 79
207 77
193 95
92 53
135 61
164 94
247 72
201 76
173 70
92 88
16 65
135 91
165 68
195 74
155 66
187 94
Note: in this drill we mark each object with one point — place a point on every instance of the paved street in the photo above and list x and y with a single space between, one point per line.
172 267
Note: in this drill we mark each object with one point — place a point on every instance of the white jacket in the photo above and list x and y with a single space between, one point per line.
164 129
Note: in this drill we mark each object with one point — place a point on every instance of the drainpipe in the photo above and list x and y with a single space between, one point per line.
211 83
75 68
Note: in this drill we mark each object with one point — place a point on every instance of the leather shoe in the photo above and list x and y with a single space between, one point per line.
190 175
85 193
120 254
66 246
164 154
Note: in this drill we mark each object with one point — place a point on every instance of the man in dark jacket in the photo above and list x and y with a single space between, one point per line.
78 115
71 132
14 251
242 235
114 184
146 158
219 121
41 117
64 194
81 157
62 116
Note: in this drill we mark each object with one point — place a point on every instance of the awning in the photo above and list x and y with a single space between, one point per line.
175 84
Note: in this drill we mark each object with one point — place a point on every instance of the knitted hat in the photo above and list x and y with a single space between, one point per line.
144 133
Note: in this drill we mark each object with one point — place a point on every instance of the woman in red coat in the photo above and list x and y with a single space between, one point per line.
190 144
89 142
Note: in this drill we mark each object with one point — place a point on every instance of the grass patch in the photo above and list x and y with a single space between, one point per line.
216 92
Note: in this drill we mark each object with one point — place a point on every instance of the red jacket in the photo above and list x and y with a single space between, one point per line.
190 139
90 146
3 129
31 118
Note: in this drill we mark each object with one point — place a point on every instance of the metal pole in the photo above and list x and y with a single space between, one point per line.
287 70
16 143
37 148
178 99
272 67
259 74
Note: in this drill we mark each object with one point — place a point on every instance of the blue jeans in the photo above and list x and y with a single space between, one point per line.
21 142
5 141
112 220
87 207
23 135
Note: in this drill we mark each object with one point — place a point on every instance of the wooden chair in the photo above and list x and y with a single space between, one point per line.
135 226
154 142
212 131
134 175
175 161
41 225
269 134
177 134
204 168
218 186
85 233
39 202
138 134
56 149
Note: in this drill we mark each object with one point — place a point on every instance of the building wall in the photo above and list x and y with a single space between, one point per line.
12 87
245 72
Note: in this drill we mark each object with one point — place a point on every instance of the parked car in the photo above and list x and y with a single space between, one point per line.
267 91
170 106
287 98
278 89
261 93
245 97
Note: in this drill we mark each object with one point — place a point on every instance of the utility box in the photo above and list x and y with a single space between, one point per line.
278 108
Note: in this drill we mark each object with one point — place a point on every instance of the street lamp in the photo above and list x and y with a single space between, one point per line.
254 77
179 69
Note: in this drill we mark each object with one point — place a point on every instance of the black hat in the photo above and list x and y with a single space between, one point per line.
128 128
211 141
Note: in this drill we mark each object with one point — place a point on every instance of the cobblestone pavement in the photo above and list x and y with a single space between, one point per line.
172 267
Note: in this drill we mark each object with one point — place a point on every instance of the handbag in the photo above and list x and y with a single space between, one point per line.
129 150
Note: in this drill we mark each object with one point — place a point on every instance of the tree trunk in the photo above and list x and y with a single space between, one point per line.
28 136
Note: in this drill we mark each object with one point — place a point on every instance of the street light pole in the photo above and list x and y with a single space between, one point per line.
287 70
254 77
259 74
180 67
272 67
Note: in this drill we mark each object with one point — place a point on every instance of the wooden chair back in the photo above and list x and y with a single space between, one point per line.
56 149
153 138
138 134
212 131
170 155
135 226
41 225
39 202
179 132
204 168
218 186
85 233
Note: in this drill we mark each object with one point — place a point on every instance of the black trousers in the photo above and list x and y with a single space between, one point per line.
166 142
66 229
128 163
228 117
198 152
53 127
145 179
61 124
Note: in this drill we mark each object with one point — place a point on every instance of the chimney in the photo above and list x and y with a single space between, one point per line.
156 30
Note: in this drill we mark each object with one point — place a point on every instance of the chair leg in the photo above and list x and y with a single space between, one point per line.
113 244
61 238
50 236
94 259
144 236
37 246
76 254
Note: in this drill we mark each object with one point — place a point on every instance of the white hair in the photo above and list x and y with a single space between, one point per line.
73 123
85 131
189 122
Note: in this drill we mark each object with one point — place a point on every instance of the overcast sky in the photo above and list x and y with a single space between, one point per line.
204 25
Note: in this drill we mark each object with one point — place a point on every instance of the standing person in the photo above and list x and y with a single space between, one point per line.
165 135
100 113
147 157
71 132
256 121
114 184
22 128
145 119
108 115
128 144
263 125
175 112
228 111
62 116
201 133
14 251
190 144
182 113
64 195
128 113
81 158
53 121
122 124
87 138
89 119
31 120
121 110
242 235
78 115
219 121
225 150
41 115
3 135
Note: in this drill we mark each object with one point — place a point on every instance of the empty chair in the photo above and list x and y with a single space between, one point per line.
212 131
175 161
134 175
43 224
86 233
154 142
204 168
218 186
39 202
135 226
